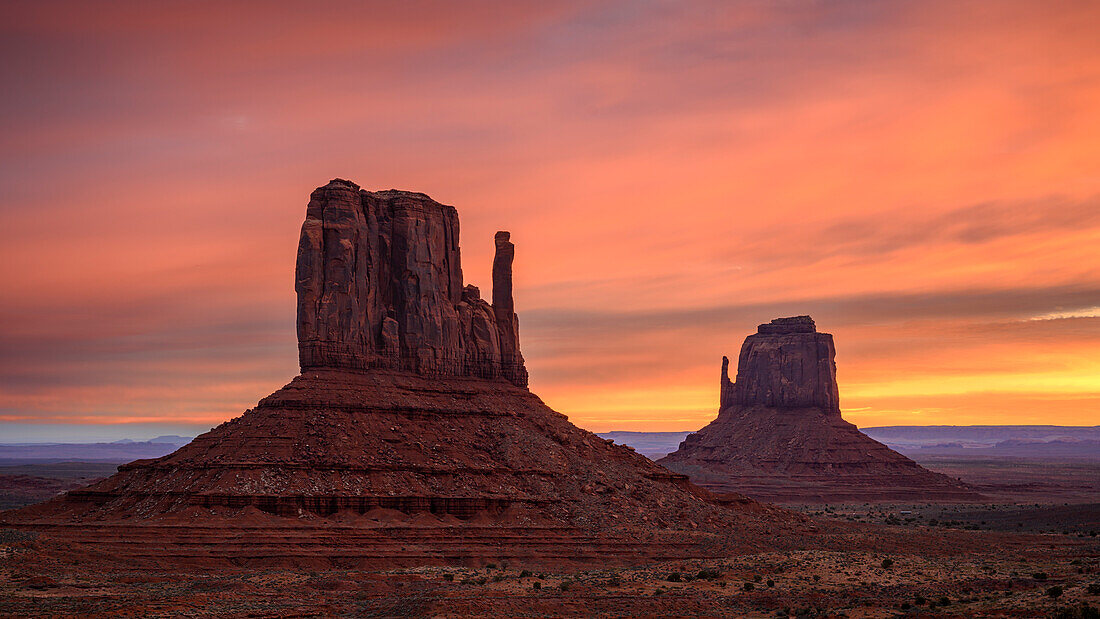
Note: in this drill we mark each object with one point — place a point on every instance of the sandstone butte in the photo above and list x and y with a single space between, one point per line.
409 437
779 435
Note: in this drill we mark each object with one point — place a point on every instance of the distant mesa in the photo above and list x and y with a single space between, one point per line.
779 435
409 438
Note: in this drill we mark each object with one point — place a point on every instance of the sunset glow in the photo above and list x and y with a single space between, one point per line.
923 178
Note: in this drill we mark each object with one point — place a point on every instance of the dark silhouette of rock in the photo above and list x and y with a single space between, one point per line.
779 435
379 283
408 438
787 364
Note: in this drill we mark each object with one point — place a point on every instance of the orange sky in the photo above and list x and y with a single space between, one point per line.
921 177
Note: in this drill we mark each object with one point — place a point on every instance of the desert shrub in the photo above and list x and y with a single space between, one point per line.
919 600
1084 611
706 574
904 606
525 574
943 601
13 536
674 577
1039 575
498 578
537 585
757 578
771 583
565 585
449 577
749 586
491 566
1055 591
614 582
887 564
817 577
325 584
1094 588
481 581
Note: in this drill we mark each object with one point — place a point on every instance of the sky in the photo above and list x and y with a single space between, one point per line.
923 178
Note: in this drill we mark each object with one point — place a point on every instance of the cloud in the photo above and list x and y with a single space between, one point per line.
672 173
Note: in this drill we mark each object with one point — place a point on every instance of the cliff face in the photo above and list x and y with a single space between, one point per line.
787 364
379 284
391 448
779 435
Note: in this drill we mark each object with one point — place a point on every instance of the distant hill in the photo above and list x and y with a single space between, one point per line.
1077 442
117 452
652 445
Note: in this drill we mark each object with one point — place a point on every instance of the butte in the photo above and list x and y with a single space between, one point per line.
409 437
779 435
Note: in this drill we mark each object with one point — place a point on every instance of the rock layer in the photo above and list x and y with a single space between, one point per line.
779 435
379 284
408 438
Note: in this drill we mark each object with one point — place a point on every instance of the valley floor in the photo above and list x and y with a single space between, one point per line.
1034 575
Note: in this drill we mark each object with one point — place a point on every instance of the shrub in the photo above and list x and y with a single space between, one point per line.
1084 611
919 600
1039 575
525 574
14 536
537 585
491 566
1094 588
565 585
706 574
674 577
943 601
449 577
1054 591
749 586
771 583
887 563
905 605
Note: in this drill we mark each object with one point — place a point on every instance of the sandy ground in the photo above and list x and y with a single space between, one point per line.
1019 576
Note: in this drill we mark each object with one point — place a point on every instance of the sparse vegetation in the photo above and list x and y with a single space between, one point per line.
1083 611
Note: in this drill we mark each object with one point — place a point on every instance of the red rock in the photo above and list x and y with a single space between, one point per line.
779 435
409 437
379 283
